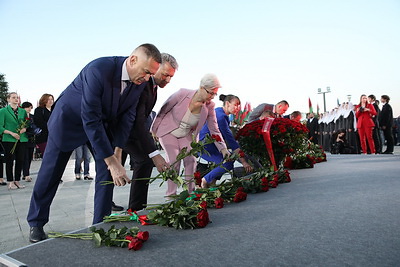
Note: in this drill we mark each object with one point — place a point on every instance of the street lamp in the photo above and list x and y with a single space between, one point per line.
328 90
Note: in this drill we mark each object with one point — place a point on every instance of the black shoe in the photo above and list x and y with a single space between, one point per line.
116 207
87 177
387 152
37 234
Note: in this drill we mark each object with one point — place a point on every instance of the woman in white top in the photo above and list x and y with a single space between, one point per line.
182 116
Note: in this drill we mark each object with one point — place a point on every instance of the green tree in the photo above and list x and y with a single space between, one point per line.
3 91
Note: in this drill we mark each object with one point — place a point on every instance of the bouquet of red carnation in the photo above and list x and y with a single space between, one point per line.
113 237
240 195
202 215
255 182
287 137
182 213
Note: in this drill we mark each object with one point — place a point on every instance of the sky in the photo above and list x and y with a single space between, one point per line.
263 51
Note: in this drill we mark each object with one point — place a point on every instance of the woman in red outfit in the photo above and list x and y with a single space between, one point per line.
365 124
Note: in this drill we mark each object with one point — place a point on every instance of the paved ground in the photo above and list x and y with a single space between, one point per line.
72 207
316 200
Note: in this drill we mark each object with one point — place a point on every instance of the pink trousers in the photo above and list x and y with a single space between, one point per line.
172 147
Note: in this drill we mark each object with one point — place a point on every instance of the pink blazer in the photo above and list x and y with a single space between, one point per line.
173 110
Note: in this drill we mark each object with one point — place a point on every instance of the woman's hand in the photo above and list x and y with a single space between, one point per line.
225 153
23 130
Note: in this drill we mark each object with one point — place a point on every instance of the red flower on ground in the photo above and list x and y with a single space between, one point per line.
265 188
197 178
219 203
216 137
202 218
203 204
135 244
240 195
144 236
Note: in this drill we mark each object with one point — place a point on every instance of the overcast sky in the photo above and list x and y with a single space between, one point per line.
262 51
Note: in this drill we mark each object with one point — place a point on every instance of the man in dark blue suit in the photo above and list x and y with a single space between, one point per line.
97 108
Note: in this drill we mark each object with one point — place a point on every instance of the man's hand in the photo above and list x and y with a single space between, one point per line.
160 163
117 171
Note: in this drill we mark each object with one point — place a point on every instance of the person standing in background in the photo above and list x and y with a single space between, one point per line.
365 124
375 131
82 154
30 145
14 139
42 114
312 126
386 123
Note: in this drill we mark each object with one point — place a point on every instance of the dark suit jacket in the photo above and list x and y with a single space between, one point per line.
312 128
386 116
140 139
92 109
42 116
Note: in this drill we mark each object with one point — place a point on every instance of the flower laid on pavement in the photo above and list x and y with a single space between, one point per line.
180 213
131 238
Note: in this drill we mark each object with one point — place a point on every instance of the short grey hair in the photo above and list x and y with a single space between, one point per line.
170 59
210 81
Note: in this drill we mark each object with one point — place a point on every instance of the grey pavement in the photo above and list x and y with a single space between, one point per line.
71 209
344 212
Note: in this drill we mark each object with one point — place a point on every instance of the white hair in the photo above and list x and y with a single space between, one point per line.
210 81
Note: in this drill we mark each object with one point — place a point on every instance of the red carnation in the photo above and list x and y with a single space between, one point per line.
203 204
216 137
144 236
202 218
241 154
197 178
265 188
240 196
264 181
135 244
219 203
273 184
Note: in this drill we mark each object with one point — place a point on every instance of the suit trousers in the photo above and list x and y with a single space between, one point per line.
172 146
47 181
142 168
18 156
49 176
387 132
365 134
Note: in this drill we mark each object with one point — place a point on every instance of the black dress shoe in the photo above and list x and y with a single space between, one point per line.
37 234
116 207
387 152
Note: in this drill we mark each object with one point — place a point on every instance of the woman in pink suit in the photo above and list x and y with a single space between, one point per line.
365 124
182 116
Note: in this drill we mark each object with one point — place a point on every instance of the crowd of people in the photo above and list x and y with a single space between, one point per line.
108 110
353 129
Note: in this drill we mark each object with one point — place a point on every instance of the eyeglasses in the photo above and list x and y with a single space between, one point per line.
210 93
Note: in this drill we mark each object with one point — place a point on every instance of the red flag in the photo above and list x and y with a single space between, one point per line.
310 105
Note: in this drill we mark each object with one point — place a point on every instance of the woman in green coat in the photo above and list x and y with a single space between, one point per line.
13 124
